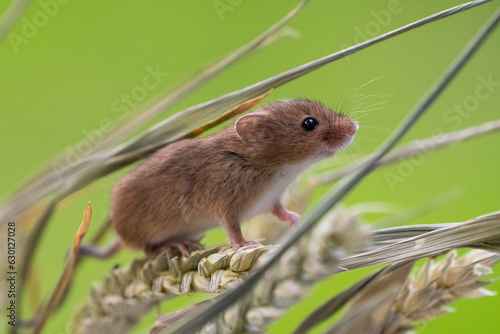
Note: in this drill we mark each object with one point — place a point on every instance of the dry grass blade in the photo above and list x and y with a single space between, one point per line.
368 310
156 135
353 323
191 324
333 305
423 296
11 15
66 275
269 36
392 235
414 148
389 236
228 115
481 232
49 180
173 128
29 250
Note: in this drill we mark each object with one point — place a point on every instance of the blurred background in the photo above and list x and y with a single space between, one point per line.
70 68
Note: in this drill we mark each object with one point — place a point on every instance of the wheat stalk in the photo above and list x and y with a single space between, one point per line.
127 294
420 298
426 295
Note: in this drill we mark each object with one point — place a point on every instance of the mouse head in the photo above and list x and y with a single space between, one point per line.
292 131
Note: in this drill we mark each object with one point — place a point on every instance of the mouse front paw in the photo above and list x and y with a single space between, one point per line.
293 218
284 215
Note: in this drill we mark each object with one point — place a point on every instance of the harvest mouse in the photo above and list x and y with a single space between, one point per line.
191 186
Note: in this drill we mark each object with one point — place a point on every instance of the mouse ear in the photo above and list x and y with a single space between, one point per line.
251 127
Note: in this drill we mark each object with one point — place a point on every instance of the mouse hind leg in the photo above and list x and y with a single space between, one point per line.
233 232
174 245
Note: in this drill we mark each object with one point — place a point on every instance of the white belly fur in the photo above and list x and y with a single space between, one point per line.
282 180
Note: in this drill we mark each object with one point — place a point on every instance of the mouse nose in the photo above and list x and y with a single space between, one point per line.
352 130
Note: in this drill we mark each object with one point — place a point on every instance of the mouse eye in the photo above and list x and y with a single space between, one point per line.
309 124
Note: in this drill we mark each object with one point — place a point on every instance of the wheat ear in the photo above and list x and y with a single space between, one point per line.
128 293
420 298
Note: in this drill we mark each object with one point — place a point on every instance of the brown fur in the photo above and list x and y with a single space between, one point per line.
193 185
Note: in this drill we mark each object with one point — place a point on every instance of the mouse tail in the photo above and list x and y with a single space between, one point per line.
101 252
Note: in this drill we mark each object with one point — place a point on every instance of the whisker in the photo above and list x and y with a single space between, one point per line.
361 116
379 129
357 89
373 109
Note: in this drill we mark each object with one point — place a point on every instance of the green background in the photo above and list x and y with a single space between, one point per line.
65 77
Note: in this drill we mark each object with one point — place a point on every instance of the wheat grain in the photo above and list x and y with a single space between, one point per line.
128 293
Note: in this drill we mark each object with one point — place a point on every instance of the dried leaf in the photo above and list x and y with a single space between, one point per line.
484 230
66 275
239 109
82 230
